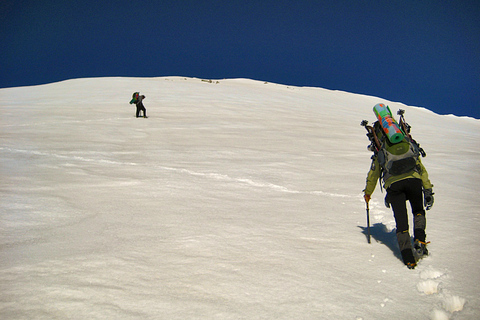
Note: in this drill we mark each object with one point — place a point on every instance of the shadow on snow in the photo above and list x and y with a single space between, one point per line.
380 233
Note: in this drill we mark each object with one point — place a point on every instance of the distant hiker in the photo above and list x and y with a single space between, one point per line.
404 178
137 100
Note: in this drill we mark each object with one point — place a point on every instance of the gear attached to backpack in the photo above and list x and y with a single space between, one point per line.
396 151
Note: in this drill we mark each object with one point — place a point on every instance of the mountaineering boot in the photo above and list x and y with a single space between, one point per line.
419 243
408 258
405 245
420 248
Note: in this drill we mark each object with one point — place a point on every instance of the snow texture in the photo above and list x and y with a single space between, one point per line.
235 199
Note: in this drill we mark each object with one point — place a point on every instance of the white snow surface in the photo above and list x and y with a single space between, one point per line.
235 199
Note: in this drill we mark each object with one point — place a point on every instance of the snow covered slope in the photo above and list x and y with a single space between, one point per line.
235 199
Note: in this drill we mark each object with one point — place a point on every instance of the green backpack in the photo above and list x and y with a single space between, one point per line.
394 158
397 158
134 98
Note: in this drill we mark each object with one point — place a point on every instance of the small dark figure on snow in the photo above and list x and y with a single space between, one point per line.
137 100
404 180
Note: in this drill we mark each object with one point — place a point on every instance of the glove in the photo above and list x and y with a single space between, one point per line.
367 197
428 198
387 203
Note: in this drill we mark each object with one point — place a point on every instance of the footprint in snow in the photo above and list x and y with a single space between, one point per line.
453 303
430 285
430 282
450 305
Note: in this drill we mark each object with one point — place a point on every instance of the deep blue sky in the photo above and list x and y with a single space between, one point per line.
420 52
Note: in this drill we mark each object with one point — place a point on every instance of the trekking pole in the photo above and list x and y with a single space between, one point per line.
368 223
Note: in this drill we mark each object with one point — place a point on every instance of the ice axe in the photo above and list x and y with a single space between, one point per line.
368 222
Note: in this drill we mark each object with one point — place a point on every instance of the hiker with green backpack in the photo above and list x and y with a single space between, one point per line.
396 161
137 100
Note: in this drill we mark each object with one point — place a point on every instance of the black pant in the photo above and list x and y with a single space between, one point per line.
140 107
398 194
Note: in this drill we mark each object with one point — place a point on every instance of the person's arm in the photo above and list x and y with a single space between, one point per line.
372 177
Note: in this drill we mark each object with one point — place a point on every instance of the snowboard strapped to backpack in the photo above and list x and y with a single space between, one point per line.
394 158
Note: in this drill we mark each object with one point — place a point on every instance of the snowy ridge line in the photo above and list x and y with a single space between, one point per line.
211 175
76 158
249 182
63 122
